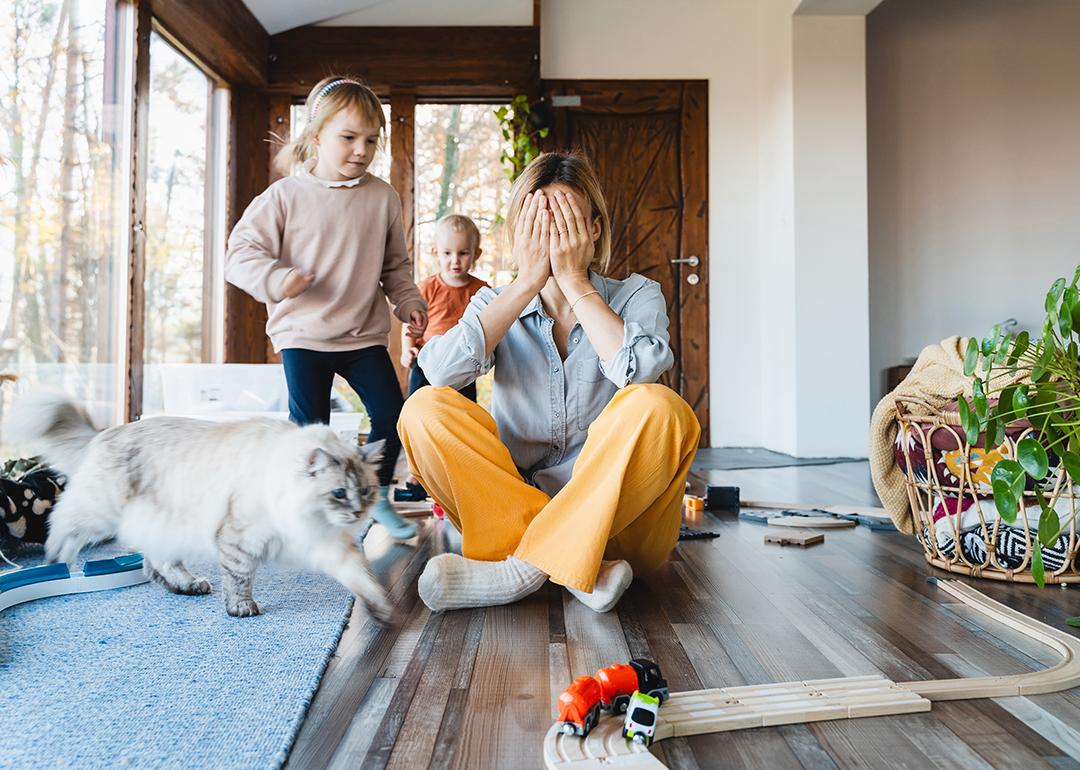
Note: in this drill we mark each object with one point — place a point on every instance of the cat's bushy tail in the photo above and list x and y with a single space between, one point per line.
51 425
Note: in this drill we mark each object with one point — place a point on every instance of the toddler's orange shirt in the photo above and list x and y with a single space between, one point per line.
446 304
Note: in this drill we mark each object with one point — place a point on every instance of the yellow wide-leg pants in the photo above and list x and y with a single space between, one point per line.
623 501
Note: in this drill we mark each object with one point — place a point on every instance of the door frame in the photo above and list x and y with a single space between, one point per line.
690 99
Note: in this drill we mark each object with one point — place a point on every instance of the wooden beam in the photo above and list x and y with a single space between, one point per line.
403 179
224 36
136 315
481 62
245 318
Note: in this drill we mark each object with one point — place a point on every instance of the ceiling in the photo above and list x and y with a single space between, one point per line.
836 7
280 15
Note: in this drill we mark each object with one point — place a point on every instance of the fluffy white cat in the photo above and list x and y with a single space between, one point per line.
174 489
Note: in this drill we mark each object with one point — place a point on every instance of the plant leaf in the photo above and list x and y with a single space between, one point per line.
1049 527
1037 570
1004 406
1032 457
971 357
1004 500
1039 369
968 421
1054 294
1021 401
979 400
1020 346
1071 461
1003 349
1074 622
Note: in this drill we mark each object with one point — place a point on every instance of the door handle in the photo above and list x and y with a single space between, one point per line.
691 261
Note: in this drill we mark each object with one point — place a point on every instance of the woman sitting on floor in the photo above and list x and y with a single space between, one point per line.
580 475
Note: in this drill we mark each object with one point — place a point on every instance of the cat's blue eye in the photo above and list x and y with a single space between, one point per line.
340 493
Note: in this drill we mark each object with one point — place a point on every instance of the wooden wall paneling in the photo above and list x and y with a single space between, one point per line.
403 179
245 318
279 132
223 36
426 61
136 314
694 298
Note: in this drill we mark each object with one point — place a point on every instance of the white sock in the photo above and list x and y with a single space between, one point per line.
611 581
451 582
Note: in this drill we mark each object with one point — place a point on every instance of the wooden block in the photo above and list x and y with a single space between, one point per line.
795 538
811 522
693 503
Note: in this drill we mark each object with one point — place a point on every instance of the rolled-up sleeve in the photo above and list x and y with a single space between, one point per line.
645 353
456 359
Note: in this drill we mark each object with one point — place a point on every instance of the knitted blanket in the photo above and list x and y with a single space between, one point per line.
937 379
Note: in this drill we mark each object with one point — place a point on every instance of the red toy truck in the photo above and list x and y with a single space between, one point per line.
579 706
619 681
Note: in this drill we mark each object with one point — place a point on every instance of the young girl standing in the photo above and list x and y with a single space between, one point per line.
325 249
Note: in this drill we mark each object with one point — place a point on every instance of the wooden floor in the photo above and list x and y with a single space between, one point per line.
474 689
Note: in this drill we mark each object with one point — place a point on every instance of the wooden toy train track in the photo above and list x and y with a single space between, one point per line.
737 708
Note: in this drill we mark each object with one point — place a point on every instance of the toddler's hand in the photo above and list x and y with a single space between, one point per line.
408 356
418 323
296 283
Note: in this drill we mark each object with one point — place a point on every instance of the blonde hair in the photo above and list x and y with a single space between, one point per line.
329 97
573 171
460 223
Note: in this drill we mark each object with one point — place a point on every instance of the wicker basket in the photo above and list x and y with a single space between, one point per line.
919 424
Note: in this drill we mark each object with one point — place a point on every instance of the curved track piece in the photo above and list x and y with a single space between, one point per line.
1062 676
24 585
736 708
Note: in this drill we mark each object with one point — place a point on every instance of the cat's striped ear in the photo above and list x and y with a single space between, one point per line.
372 452
319 460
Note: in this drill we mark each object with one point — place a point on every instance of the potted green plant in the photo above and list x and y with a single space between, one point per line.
1020 378
521 132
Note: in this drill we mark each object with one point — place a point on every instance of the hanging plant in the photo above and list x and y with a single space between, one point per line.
1034 380
522 134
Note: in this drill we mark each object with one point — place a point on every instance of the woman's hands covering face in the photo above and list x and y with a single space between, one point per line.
531 237
570 241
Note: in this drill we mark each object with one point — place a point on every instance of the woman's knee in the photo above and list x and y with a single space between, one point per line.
660 401
429 405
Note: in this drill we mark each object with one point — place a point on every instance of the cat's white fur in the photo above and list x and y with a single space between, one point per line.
174 489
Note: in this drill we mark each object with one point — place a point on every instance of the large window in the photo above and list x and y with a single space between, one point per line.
458 172
64 196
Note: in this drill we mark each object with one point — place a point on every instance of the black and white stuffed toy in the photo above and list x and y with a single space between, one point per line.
28 490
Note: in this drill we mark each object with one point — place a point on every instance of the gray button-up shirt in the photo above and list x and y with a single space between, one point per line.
542 404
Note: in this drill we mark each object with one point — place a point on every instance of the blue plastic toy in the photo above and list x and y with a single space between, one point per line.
29 583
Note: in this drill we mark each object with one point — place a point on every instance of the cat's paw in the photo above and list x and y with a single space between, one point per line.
380 609
243 608
197 587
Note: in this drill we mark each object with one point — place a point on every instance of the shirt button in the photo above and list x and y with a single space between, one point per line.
556 370
575 340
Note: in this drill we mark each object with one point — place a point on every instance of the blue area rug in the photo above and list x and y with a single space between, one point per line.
138 677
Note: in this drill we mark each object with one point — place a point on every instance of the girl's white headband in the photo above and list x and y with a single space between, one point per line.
324 91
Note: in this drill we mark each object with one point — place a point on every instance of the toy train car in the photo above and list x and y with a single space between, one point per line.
619 681
610 689
579 706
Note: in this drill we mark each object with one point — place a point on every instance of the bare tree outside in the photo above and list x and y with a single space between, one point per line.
175 207
63 198
458 172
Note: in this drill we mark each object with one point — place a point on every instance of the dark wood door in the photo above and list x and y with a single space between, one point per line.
648 141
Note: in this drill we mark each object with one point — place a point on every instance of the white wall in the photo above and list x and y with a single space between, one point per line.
745 48
832 346
974 117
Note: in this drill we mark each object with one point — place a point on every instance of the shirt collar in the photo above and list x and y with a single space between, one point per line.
309 165
537 306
